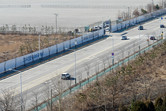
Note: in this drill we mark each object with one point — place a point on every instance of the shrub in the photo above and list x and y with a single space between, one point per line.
122 108
150 106
143 11
138 106
158 104
163 108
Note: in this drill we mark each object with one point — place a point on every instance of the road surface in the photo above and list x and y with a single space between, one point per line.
89 60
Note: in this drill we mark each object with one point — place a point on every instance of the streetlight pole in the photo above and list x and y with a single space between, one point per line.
75 61
112 50
56 15
21 97
139 41
39 45
152 5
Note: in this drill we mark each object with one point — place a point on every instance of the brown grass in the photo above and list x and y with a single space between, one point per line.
11 45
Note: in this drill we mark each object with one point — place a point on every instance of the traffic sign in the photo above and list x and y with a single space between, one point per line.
112 54
161 18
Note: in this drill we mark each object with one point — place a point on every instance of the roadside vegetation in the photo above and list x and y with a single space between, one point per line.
15 45
139 85
135 12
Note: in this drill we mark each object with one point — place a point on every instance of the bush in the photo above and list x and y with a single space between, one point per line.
150 106
163 108
158 104
138 106
143 11
122 108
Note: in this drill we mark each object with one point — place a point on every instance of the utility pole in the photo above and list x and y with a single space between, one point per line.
39 45
56 21
152 6
75 61
112 51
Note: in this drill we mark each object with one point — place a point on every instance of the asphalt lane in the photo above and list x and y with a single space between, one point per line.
89 60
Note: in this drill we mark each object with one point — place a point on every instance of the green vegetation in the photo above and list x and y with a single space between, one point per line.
143 11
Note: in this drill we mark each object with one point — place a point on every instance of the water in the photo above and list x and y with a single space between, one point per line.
71 13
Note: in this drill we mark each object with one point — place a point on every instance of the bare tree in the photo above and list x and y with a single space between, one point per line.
35 100
87 69
113 87
8 102
136 13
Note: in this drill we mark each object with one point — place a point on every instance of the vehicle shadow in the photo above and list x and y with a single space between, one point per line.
72 78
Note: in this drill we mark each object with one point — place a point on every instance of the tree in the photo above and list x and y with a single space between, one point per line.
87 69
113 87
8 102
143 11
149 8
35 100
163 107
136 12
158 104
138 106
150 106
157 7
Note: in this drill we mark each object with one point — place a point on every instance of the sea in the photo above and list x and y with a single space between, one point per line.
70 13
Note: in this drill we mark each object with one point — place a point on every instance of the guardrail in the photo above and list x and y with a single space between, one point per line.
91 79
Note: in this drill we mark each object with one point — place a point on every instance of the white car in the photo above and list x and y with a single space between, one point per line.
65 76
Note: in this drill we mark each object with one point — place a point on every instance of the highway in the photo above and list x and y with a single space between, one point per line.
89 60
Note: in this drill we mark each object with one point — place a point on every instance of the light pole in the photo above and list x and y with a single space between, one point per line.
152 5
39 45
112 50
139 40
47 85
75 60
56 15
21 97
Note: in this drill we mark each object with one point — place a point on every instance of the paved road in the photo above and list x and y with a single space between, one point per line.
89 60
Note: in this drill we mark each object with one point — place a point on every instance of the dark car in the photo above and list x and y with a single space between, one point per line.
140 27
124 37
162 26
65 76
152 38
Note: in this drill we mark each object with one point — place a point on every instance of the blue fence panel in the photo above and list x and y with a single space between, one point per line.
60 47
101 32
53 49
45 52
96 34
67 44
10 64
79 40
19 61
2 67
28 58
72 42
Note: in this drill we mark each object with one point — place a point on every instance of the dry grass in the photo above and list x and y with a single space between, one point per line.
12 46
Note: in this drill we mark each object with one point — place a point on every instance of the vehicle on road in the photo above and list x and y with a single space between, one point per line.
140 27
124 37
152 38
162 26
65 76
